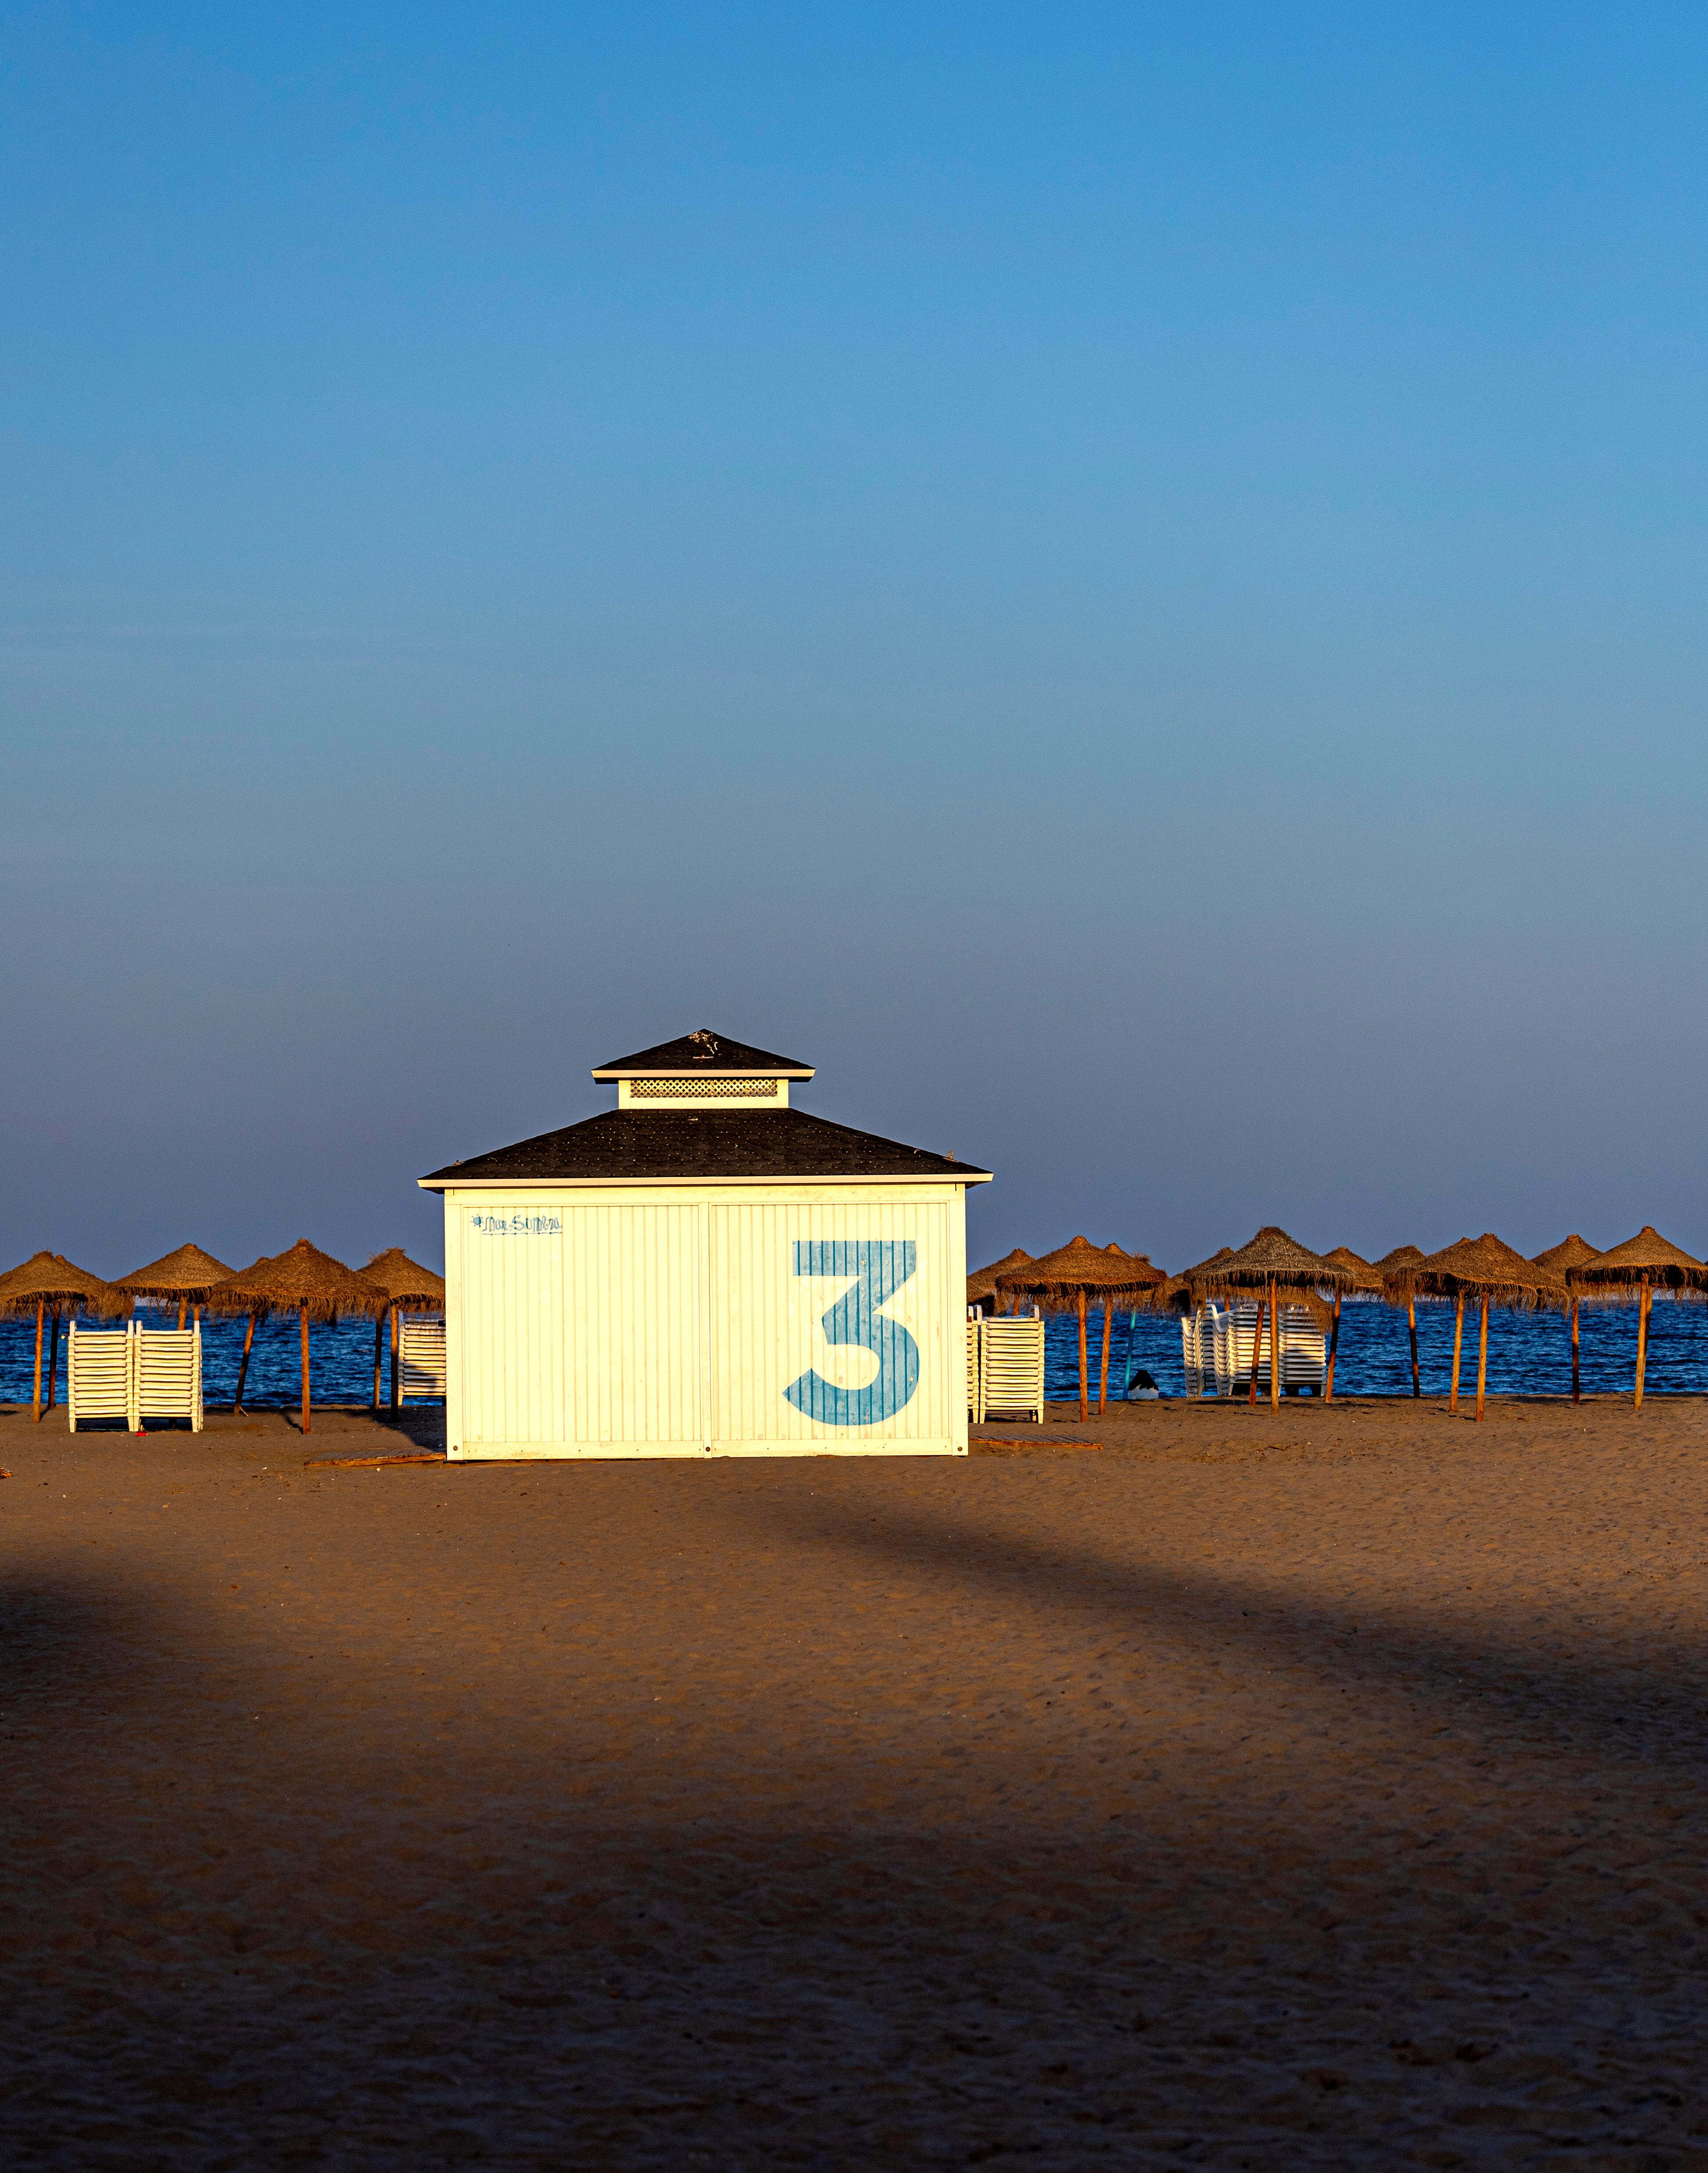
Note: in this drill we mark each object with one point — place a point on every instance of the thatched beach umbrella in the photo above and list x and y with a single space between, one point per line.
305 1280
1488 1270
1284 1272
1572 1252
1062 1280
1644 1264
1368 1285
1397 1269
188 1274
981 1284
405 1282
49 1280
1175 1295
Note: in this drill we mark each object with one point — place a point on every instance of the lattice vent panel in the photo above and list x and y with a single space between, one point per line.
703 1090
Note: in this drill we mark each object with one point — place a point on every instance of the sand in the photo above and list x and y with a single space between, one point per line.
1315 1790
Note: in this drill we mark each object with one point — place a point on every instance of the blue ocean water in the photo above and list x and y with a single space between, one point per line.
1529 1353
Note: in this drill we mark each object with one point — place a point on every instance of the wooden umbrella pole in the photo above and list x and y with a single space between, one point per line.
243 1369
40 1307
1458 1337
1483 1356
52 1354
1574 1351
379 1351
1334 1348
1257 1346
1275 1350
303 1311
1108 1338
1411 1323
182 1302
1642 1339
397 1376
1085 1404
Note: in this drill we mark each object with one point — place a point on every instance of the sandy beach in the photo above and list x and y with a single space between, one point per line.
1320 1789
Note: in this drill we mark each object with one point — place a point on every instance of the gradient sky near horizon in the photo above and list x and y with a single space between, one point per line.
1129 581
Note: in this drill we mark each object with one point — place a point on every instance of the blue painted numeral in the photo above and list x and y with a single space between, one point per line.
882 1268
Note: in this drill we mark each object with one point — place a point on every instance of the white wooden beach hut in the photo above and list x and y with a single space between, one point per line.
705 1270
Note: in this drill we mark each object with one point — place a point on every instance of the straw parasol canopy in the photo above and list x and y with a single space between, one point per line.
1488 1270
1647 1260
981 1284
1486 1267
1398 1271
1642 1266
1145 1273
188 1274
407 1283
1079 1268
1065 1279
1176 1295
1271 1257
1369 1284
305 1280
49 1279
1284 1272
1572 1252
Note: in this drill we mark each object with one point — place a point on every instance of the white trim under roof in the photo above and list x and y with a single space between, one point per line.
688 1179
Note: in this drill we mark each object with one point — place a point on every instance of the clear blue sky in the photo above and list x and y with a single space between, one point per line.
1130 581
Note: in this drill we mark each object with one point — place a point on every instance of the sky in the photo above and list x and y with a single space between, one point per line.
1128 581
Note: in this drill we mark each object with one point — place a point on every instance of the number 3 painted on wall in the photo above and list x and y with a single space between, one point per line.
883 1268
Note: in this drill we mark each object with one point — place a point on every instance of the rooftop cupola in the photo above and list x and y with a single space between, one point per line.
703 1071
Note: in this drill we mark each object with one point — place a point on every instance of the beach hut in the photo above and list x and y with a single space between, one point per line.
705 1269
981 1284
188 1274
1572 1252
1397 1271
304 1280
45 1282
1283 1272
406 1283
1368 1285
1642 1266
1064 1281
1489 1271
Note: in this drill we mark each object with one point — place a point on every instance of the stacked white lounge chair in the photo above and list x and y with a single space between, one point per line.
133 1373
1216 1345
420 1357
1005 1368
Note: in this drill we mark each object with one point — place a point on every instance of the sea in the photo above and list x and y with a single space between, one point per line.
341 1361
1529 1355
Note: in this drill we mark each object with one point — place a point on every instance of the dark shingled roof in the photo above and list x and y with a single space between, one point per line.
706 1053
700 1146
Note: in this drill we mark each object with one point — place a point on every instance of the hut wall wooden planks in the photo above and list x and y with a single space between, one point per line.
790 1319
